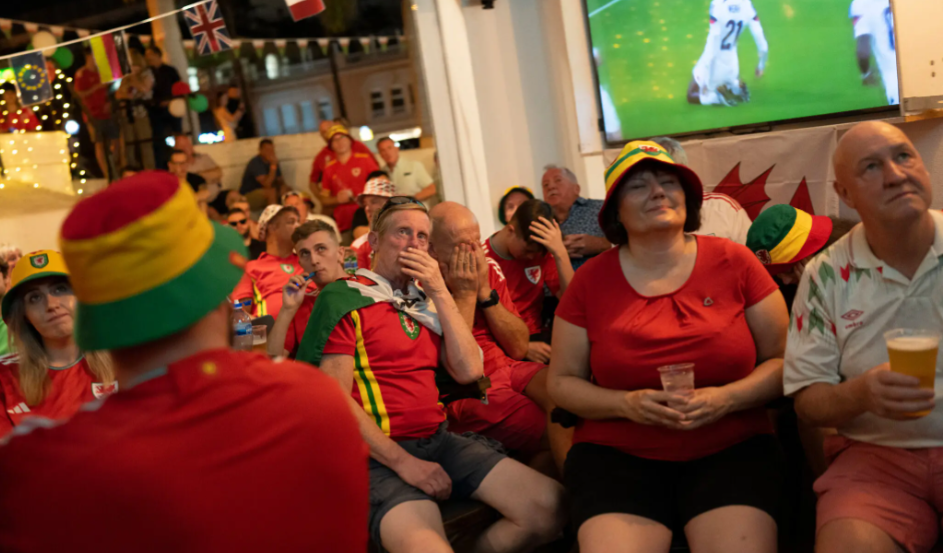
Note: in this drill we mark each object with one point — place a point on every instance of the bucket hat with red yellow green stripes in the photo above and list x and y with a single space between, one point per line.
145 262
33 266
783 235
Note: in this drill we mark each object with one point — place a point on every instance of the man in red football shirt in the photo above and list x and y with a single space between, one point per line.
344 178
518 407
14 118
326 155
93 94
531 254
387 352
265 277
322 259
204 448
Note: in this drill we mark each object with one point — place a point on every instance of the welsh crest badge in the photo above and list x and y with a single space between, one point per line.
100 390
532 274
764 257
288 268
409 326
39 261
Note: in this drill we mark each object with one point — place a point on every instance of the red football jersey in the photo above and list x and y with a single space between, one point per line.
326 155
263 282
525 281
296 330
395 359
222 451
364 255
347 176
495 357
70 388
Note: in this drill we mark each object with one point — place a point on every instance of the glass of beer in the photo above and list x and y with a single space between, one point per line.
260 339
912 351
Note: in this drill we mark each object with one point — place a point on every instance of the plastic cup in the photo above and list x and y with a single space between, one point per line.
260 338
677 379
913 351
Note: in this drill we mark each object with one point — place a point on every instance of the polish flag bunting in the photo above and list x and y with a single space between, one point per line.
302 9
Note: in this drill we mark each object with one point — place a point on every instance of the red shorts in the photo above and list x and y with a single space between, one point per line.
898 490
509 417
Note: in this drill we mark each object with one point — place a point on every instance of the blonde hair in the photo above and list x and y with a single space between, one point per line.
381 225
34 363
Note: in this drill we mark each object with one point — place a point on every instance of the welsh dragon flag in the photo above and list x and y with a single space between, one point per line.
366 288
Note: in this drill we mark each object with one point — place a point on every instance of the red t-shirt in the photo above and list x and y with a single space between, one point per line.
364 255
69 389
96 102
525 281
395 359
296 330
703 322
264 280
326 154
347 176
494 356
224 451
22 120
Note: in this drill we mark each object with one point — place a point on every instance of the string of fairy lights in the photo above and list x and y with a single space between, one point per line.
56 114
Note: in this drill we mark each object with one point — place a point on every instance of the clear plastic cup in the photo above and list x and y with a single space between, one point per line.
677 379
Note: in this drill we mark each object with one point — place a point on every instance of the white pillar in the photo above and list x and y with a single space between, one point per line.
167 36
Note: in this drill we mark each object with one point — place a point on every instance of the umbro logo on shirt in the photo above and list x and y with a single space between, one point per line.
852 316
19 409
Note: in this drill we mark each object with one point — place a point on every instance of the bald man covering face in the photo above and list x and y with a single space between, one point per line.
882 491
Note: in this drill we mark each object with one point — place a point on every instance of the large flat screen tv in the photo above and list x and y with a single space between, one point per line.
683 66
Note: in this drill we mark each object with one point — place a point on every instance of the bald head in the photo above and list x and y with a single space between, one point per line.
452 224
879 172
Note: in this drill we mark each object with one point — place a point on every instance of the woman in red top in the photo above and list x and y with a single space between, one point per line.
14 118
646 463
48 376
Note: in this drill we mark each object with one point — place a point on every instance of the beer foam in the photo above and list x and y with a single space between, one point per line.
913 343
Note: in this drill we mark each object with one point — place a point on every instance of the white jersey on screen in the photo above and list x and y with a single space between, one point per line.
875 18
720 63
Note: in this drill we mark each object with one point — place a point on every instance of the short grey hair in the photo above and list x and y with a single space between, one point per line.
674 148
566 172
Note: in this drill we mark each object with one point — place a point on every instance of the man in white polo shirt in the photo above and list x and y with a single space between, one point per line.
410 177
883 490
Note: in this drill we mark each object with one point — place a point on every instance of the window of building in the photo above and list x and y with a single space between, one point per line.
325 109
308 120
398 101
290 119
377 103
193 79
271 66
273 126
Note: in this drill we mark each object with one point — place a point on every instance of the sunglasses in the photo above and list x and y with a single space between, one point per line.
237 223
400 200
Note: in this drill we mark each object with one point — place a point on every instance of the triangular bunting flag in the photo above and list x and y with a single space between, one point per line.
6 24
345 45
303 43
281 44
324 43
365 43
31 27
384 42
259 46
208 28
57 31
82 32
145 39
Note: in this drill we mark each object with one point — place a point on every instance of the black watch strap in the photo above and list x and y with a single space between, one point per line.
491 301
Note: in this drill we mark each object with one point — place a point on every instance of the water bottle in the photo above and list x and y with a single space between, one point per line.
242 327
350 262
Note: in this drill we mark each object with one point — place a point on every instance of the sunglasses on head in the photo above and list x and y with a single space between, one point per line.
400 200
239 222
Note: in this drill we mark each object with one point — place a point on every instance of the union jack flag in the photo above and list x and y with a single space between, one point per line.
208 28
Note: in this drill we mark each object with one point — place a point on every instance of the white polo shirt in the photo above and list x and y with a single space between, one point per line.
723 216
846 301
410 177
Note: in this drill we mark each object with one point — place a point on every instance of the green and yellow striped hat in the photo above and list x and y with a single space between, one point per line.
33 266
639 151
783 235
145 262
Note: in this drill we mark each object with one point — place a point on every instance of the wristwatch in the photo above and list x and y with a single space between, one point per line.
491 301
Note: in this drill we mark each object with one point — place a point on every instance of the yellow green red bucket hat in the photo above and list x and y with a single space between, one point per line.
783 235
32 266
145 262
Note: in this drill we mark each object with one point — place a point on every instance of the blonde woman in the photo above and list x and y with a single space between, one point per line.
48 375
